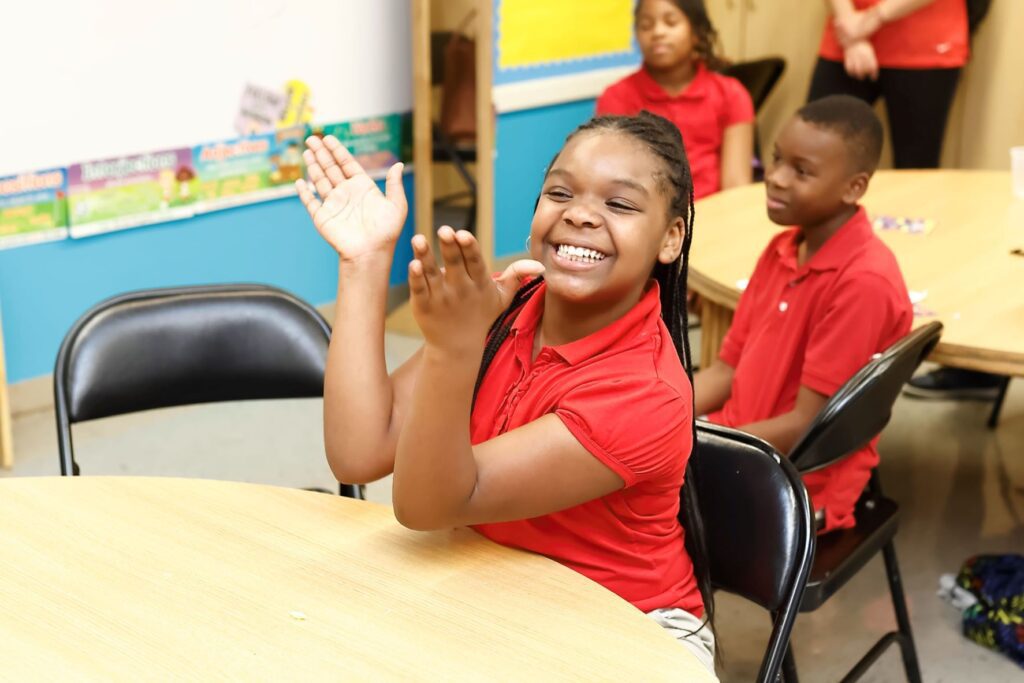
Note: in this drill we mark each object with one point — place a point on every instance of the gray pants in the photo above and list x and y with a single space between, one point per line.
686 628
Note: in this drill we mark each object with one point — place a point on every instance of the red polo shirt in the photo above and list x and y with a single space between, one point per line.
933 37
624 395
815 325
702 111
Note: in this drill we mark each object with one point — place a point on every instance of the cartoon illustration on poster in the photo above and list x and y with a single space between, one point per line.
33 208
124 192
249 169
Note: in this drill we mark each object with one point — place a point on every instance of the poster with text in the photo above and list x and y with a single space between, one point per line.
124 192
250 169
377 143
33 208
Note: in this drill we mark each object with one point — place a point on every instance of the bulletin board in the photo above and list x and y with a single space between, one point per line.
561 37
98 93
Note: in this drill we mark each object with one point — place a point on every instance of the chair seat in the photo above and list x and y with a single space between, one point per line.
465 152
839 555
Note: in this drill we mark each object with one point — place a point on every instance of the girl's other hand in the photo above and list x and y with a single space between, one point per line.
856 26
454 306
351 213
860 61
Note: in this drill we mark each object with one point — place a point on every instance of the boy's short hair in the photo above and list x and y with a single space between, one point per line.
854 121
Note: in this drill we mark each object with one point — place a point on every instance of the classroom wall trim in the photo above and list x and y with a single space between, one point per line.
544 92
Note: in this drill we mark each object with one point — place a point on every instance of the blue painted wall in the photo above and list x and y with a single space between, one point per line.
44 288
526 141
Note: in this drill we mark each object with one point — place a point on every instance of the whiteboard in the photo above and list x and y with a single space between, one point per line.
103 78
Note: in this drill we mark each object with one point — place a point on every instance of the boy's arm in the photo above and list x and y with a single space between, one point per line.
712 387
362 405
784 430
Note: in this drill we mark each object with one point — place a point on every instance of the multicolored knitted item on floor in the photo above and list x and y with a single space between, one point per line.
996 621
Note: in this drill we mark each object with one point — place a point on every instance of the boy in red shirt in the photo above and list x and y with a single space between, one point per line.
825 296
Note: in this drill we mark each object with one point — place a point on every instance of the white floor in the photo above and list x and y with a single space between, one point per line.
960 487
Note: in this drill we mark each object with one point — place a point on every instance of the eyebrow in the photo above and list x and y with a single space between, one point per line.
626 182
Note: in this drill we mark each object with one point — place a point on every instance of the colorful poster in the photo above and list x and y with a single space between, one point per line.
532 33
124 192
33 208
250 169
377 143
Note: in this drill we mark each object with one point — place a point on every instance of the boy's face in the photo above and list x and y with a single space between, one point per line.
811 177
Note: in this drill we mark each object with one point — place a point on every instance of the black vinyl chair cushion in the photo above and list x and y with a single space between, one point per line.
758 77
841 554
756 513
181 346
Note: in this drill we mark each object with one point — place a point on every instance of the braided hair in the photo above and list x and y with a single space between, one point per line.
663 139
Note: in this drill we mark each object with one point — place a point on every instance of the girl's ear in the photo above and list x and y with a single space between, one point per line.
672 242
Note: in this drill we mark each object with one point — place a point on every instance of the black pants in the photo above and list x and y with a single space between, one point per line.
916 100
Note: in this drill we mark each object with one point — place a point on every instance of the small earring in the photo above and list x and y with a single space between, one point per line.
528 242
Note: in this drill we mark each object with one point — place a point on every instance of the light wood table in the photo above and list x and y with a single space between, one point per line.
974 285
152 578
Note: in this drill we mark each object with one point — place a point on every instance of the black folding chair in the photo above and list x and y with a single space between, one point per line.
186 345
759 528
852 417
759 77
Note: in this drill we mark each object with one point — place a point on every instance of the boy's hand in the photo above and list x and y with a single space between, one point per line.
351 214
456 305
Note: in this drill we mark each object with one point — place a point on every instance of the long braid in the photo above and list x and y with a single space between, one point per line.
662 137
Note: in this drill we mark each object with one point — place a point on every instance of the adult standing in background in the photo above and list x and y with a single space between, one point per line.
909 53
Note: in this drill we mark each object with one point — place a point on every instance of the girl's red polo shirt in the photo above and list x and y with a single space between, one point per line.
933 37
815 325
624 395
706 107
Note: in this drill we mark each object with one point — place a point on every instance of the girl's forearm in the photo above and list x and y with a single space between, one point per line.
358 396
435 471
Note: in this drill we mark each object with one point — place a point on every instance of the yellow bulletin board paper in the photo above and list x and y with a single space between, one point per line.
544 31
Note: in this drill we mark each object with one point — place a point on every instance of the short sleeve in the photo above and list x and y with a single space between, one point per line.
864 315
739 108
639 427
736 337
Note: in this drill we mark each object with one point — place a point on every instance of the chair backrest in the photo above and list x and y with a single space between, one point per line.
758 77
758 523
178 346
862 407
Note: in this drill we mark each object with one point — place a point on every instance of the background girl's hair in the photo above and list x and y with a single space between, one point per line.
663 139
703 30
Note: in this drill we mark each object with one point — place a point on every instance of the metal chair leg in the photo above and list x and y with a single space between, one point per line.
899 604
993 418
789 666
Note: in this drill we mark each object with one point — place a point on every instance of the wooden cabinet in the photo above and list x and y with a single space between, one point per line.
791 29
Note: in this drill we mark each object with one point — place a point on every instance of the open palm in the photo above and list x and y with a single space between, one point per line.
352 214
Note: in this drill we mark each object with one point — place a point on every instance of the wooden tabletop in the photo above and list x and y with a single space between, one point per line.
964 266
153 578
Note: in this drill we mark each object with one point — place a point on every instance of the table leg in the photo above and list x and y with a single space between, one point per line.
714 323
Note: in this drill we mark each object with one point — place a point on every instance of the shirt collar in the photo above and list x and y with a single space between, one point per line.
632 324
836 251
695 89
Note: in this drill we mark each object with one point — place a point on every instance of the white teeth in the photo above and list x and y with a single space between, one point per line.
580 254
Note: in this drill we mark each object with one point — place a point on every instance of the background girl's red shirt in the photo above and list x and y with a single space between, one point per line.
702 111
624 395
933 37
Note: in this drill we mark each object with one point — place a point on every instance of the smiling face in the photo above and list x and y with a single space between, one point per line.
603 221
811 177
664 34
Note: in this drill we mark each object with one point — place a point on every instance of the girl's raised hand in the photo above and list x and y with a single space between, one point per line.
454 306
351 213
